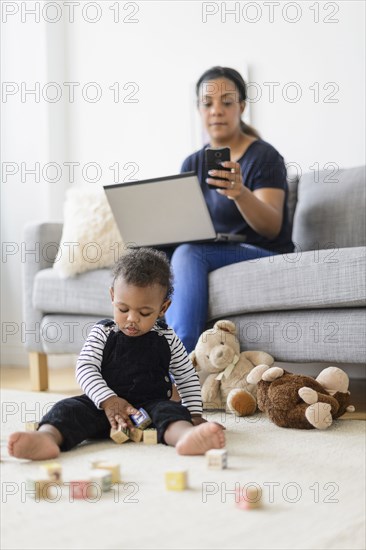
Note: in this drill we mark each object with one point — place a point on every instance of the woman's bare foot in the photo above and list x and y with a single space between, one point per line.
201 438
33 445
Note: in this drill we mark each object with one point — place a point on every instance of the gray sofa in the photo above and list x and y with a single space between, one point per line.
307 306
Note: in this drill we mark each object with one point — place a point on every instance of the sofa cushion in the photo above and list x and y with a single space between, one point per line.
330 209
301 280
84 294
329 335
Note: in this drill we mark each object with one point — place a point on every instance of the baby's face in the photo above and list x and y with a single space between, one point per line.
136 309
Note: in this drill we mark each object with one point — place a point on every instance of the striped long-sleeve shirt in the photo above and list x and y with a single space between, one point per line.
89 373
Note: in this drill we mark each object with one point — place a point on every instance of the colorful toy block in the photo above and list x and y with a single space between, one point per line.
249 499
150 436
135 435
141 419
42 487
53 471
113 468
103 478
176 480
83 489
119 435
31 426
216 459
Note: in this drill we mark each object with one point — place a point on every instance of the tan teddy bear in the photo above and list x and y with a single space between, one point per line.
223 370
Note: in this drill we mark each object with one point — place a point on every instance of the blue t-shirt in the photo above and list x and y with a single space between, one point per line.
261 166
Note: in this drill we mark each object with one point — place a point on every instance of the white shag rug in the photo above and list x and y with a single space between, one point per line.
312 482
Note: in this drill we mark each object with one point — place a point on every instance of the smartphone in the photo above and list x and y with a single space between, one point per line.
213 158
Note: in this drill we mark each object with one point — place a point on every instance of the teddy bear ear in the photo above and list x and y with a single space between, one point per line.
226 326
192 357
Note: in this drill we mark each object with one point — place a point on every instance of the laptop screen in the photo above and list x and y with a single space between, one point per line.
161 211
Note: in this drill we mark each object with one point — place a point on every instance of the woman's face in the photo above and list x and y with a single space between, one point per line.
220 108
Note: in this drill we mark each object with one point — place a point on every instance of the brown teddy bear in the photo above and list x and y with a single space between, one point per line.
295 401
223 370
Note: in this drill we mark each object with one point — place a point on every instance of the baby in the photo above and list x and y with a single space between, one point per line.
126 364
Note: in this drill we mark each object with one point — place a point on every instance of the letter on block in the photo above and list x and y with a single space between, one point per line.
216 459
176 480
150 436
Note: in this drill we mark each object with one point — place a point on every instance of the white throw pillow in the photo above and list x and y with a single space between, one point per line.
90 238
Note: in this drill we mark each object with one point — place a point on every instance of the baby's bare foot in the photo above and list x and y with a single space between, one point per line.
32 445
201 438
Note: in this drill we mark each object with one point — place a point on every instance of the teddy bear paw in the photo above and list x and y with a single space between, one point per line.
308 395
272 374
241 402
319 415
255 374
350 409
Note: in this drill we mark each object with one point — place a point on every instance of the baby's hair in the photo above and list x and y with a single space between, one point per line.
144 267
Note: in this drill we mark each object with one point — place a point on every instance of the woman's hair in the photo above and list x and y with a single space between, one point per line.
237 79
144 267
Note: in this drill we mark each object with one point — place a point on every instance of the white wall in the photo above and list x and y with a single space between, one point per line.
163 53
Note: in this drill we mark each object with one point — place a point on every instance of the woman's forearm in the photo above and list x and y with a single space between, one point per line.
264 218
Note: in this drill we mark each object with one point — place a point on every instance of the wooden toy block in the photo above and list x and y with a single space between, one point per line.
216 459
150 436
112 467
31 426
119 435
53 471
42 487
249 499
141 419
176 480
103 478
136 435
83 489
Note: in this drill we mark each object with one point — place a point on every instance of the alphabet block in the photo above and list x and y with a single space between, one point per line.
83 489
216 459
103 478
141 419
150 436
112 467
119 435
135 435
176 480
31 426
53 471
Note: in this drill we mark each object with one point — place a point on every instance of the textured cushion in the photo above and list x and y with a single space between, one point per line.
85 294
307 280
330 212
65 332
90 238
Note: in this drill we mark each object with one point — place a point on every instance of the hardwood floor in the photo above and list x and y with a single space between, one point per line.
62 380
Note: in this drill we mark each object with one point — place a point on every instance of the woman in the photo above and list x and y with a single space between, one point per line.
251 200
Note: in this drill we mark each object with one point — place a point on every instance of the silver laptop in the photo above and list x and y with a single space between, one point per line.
163 212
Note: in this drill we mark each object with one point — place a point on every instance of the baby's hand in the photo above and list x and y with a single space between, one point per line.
117 411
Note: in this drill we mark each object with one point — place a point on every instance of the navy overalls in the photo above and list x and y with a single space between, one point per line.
136 369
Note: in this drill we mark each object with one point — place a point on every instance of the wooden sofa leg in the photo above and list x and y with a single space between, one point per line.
38 371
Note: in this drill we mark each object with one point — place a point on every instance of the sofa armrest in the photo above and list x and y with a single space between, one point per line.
41 243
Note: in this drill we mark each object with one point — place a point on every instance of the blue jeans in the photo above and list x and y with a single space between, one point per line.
191 264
